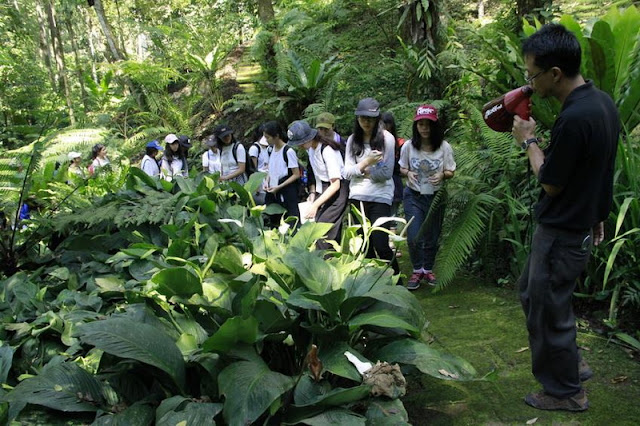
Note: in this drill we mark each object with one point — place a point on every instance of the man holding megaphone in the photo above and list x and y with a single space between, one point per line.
576 174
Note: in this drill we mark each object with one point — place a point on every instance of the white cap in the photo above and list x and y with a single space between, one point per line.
73 155
263 141
170 138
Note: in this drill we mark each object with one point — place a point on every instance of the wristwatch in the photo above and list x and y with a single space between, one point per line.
525 144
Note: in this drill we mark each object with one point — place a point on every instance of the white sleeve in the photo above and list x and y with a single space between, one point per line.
241 153
448 162
333 162
404 155
351 168
253 151
205 160
292 159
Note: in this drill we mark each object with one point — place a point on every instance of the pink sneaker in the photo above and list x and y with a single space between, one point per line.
430 277
414 281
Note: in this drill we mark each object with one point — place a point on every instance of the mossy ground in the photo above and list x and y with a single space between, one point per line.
485 325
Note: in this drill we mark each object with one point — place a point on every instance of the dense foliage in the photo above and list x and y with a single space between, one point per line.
173 300
192 266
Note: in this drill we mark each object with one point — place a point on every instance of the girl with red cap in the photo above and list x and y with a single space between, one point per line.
427 161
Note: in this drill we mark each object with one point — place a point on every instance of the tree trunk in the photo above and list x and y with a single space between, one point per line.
58 48
106 30
123 46
79 70
265 11
92 48
45 45
481 9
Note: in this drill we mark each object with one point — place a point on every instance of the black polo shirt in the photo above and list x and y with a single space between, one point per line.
580 158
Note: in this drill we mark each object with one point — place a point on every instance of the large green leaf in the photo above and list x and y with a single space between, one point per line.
385 412
230 258
308 234
334 361
336 417
127 339
402 300
59 387
629 101
6 359
604 56
317 274
135 415
381 318
249 388
255 182
177 282
179 410
309 393
330 302
625 27
234 330
426 359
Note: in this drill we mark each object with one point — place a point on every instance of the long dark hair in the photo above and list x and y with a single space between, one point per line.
169 154
273 128
376 142
329 142
96 150
437 135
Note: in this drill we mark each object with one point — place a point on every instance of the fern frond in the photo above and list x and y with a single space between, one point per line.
462 235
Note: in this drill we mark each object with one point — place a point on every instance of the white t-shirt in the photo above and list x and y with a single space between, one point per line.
229 164
378 186
278 167
211 161
426 164
327 164
97 163
169 170
262 154
150 166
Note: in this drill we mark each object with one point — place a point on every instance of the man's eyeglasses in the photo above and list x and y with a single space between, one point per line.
533 77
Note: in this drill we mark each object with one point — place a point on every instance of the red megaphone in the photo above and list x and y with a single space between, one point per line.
498 113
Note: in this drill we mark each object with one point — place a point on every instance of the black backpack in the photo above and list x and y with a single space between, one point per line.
249 167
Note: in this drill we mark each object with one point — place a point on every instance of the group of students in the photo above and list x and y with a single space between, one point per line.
359 171
98 159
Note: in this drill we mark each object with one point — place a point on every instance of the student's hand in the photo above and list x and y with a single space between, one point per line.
223 178
311 213
272 189
373 157
312 197
436 178
413 178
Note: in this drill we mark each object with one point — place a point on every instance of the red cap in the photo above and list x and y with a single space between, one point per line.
426 111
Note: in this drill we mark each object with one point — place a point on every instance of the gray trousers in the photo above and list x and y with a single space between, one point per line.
546 287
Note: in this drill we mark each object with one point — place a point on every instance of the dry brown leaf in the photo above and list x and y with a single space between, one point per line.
522 349
619 379
532 421
447 374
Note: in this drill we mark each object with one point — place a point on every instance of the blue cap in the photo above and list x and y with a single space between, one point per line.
155 144
300 132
